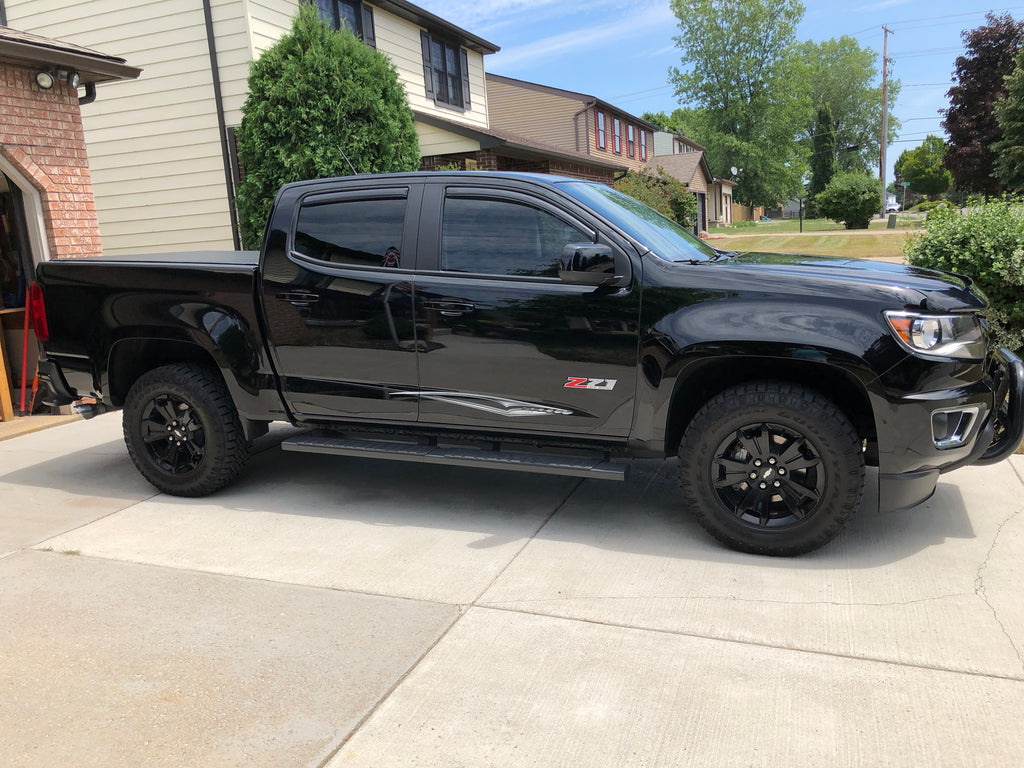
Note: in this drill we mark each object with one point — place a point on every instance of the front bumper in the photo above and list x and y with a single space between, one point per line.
909 472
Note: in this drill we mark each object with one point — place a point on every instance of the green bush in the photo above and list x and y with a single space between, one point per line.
852 198
987 244
662 192
316 97
932 205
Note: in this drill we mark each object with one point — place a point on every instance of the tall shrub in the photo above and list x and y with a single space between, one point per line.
316 97
987 244
662 192
852 198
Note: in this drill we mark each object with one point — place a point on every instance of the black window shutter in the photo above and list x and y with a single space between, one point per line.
464 63
369 36
428 68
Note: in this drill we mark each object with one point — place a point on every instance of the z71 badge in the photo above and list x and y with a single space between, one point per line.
574 383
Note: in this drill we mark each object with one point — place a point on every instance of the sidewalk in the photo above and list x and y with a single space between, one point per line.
339 612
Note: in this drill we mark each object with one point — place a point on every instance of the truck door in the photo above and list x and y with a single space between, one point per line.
339 305
504 343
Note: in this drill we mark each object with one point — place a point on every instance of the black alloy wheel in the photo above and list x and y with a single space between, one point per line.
771 468
182 429
174 434
768 475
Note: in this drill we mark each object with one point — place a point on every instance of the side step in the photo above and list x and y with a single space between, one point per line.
598 467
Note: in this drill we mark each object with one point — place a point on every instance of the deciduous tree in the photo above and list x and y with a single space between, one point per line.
923 169
970 121
844 75
320 104
746 85
1009 111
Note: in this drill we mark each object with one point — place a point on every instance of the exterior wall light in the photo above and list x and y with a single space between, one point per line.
47 78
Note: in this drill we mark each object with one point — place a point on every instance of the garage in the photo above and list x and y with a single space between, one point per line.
46 197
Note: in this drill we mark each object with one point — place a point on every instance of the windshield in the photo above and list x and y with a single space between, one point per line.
661 235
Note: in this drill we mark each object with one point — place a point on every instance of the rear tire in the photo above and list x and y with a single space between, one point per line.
771 468
182 430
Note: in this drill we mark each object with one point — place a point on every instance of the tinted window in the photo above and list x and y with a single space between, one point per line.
647 226
498 237
366 233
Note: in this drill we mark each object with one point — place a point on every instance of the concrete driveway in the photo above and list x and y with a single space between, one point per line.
344 612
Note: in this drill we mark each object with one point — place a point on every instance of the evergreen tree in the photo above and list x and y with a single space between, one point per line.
823 158
319 100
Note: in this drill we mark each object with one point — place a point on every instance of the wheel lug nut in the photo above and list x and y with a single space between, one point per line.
776 483
753 475
757 462
763 486
771 461
782 470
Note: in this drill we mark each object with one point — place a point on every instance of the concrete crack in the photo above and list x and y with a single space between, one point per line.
979 588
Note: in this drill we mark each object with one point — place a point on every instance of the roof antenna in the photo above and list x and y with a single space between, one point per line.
352 167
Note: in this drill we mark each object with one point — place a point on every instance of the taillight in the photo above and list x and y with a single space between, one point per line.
37 312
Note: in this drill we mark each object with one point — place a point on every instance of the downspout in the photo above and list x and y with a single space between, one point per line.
221 123
90 94
576 125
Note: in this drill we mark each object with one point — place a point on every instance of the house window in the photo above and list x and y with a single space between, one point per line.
445 72
630 140
617 134
601 139
353 15
643 146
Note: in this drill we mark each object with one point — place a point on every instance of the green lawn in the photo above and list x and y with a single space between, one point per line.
887 244
778 226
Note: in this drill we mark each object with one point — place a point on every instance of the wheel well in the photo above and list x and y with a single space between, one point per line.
709 379
131 358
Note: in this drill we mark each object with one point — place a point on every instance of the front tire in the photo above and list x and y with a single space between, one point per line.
182 430
771 468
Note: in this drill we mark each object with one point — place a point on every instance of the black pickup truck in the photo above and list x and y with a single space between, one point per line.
541 324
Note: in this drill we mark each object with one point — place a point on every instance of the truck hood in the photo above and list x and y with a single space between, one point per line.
911 287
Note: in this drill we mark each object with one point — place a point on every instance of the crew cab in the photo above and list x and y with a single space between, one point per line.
543 324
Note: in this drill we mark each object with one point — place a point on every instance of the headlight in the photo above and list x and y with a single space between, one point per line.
959 336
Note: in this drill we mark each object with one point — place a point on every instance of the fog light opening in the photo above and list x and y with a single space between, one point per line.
951 427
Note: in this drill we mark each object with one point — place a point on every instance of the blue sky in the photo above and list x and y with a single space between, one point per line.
620 50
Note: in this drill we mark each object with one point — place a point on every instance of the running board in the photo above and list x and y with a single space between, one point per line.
598 467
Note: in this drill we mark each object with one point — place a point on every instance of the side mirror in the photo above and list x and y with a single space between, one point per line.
590 264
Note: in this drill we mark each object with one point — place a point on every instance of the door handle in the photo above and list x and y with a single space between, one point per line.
299 298
450 308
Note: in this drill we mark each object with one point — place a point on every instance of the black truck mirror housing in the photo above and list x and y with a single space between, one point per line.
590 264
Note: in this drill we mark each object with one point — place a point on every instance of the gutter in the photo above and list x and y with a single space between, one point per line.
218 98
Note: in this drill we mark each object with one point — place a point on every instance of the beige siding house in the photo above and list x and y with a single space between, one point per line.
569 120
160 147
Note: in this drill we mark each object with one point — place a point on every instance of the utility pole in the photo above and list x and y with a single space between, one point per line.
885 112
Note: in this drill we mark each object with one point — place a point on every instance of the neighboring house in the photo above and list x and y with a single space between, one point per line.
573 122
720 202
162 150
46 197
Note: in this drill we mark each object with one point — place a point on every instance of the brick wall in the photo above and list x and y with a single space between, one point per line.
41 136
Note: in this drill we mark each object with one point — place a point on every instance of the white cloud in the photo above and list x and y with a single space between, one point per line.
617 30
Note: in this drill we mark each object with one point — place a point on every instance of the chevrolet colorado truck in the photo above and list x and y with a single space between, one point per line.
543 324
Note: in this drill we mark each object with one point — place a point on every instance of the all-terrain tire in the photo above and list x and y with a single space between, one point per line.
182 430
771 468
